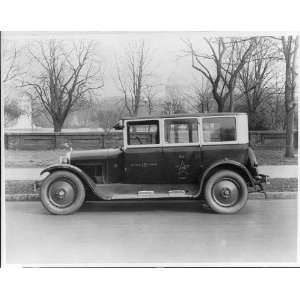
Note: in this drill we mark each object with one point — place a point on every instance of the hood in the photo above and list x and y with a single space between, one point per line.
94 154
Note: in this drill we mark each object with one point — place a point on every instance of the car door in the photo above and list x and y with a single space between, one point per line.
143 152
220 140
181 150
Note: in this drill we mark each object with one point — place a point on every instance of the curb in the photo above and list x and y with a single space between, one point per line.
273 196
22 197
252 196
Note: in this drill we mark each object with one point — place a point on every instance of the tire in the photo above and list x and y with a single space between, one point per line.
62 193
226 192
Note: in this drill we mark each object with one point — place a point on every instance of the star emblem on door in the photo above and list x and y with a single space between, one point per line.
182 170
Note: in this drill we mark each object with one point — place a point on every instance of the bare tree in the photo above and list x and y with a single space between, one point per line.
151 94
174 101
10 67
227 56
276 109
11 71
289 49
67 77
12 111
202 98
108 118
133 77
255 77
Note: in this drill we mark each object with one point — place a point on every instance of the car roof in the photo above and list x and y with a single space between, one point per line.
184 116
195 115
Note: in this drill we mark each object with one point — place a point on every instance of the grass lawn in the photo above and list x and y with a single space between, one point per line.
282 185
31 159
274 157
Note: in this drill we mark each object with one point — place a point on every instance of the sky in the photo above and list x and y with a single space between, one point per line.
168 64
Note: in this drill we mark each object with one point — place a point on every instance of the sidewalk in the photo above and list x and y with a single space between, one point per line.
281 171
23 174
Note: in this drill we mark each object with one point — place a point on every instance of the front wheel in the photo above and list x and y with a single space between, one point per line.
226 192
62 193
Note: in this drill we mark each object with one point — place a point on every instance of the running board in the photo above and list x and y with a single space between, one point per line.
121 191
152 195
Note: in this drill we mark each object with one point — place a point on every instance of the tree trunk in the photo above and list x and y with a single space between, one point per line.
57 126
231 106
289 109
288 94
250 119
220 101
289 148
220 106
290 54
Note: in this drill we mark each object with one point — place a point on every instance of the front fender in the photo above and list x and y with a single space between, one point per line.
229 164
86 179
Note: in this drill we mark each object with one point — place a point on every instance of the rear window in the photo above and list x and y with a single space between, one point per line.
219 129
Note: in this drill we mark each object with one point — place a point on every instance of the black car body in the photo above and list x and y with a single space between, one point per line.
195 156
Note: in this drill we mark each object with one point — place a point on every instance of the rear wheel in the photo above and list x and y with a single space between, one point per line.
226 192
62 192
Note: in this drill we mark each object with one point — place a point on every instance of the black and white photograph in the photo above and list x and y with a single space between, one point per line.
150 149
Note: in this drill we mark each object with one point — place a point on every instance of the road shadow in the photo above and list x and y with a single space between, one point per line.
150 205
36 208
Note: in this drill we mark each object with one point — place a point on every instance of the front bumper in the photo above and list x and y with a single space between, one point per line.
259 181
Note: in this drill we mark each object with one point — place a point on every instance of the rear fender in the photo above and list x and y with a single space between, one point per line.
226 164
86 180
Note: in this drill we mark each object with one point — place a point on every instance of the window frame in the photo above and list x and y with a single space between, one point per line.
125 134
222 142
165 144
161 128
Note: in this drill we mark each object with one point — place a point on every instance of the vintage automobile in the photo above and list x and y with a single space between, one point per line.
205 157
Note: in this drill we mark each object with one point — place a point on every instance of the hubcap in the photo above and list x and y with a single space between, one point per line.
62 192
226 192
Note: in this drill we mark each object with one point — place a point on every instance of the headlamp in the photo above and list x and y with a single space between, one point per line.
65 159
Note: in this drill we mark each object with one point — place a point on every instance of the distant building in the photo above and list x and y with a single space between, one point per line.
25 119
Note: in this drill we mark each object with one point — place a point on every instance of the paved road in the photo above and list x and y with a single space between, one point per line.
283 171
151 233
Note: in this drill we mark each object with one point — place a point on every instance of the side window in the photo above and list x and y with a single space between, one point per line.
219 129
181 131
143 132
